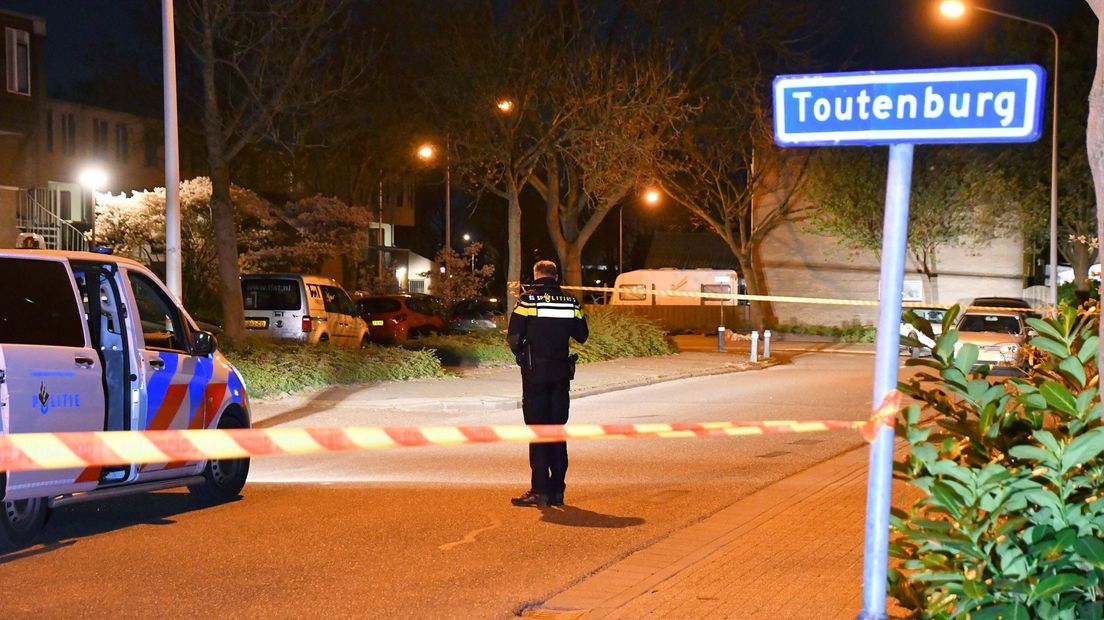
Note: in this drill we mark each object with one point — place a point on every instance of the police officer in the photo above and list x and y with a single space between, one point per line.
542 322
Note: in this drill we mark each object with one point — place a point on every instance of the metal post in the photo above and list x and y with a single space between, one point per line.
173 270
448 193
620 238
879 491
1054 180
379 236
754 346
1053 267
766 343
721 338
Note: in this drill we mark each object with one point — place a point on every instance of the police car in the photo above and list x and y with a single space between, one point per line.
93 342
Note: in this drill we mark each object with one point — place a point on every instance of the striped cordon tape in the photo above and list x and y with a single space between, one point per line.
33 451
829 301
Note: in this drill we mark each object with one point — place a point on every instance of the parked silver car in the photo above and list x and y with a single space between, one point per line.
301 307
477 313
1000 336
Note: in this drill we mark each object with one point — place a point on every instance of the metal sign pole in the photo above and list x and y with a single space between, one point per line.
879 483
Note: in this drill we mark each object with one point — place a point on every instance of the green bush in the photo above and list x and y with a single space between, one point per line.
1067 293
613 334
274 366
481 348
848 333
1010 524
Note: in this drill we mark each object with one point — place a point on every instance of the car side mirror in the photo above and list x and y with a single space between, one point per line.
204 343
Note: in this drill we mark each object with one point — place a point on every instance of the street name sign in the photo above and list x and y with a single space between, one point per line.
927 106
901 109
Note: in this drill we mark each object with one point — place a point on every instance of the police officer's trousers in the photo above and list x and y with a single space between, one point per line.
546 403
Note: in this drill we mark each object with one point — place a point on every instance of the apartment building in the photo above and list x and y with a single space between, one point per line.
46 145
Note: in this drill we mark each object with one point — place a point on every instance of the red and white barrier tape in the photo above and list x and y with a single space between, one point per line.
775 298
33 451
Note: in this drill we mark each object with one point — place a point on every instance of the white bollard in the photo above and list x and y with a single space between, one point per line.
766 343
755 346
721 338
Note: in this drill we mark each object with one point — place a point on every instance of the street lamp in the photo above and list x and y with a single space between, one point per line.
651 196
427 152
93 179
955 9
467 239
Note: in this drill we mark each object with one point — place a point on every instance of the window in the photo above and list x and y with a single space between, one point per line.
39 306
336 300
65 205
632 292
49 131
378 305
149 148
17 48
68 133
99 137
271 294
122 146
161 324
716 289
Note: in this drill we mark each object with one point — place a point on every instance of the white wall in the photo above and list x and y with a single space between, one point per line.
795 261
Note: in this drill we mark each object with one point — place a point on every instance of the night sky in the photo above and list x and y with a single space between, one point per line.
110 41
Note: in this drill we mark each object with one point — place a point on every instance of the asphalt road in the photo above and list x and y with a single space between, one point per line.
430 532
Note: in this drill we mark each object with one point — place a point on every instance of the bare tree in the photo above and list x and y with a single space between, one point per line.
1094 139
719 174
622 107
489 84
263 65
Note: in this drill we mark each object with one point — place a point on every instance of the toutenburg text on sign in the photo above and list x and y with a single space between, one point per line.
976 104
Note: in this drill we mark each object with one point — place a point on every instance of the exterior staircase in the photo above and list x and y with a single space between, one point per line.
36 212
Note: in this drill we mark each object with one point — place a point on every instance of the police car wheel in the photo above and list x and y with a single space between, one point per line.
21 521
223 478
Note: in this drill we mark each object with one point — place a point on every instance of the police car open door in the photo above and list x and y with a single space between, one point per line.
52 379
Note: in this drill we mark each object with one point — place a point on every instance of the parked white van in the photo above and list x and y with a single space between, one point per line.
301 307
638 287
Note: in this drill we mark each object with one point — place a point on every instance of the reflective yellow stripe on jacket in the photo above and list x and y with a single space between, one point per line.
549 307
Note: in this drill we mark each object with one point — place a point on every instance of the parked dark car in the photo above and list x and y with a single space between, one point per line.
478 313
999 302
397 318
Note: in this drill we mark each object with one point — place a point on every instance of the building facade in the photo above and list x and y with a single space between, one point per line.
47 144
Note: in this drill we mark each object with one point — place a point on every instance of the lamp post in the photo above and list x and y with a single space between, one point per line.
955 9
651 197
427 152
174 276
93 179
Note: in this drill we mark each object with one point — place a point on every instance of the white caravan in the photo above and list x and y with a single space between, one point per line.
638 288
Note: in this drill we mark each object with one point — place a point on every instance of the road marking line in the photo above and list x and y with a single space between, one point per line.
470 536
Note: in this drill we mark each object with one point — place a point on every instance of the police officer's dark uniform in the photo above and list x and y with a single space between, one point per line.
542 322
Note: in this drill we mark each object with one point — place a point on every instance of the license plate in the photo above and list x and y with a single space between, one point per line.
377 323
256 323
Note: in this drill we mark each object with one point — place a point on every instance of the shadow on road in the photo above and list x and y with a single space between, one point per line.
317 403
68 525
577 517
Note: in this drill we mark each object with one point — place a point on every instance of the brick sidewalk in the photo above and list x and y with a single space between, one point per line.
791 550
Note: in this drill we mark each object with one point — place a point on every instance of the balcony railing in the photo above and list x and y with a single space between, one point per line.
36 212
